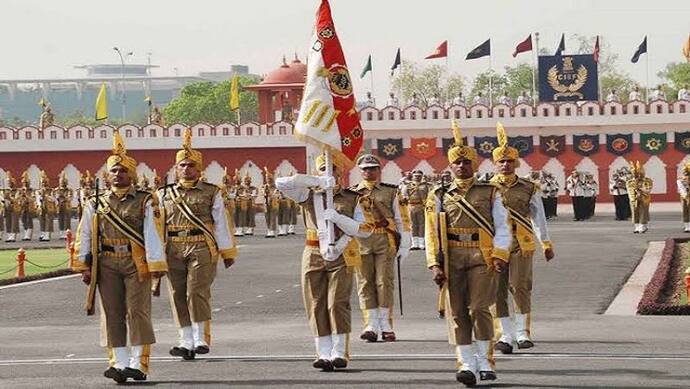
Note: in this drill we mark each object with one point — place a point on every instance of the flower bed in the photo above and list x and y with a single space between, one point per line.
660 294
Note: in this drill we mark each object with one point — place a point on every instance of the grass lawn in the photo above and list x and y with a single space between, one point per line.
42 257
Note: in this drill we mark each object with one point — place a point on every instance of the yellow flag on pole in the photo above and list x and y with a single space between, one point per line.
686 49
234 94
102 104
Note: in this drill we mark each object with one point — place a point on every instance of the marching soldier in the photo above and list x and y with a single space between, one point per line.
467 240
272 202
13 208
199 231
63 195
391 240
523 201
640 193
246 197
228 190
285 206
684 191
232 194
86 189
327 269
47 207
120 249
591 190
549 196
416 194
28 209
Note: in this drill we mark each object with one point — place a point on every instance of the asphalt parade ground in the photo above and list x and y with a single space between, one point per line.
261 338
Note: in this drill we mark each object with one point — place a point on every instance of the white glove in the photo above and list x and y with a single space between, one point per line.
326 182
405 245
347 225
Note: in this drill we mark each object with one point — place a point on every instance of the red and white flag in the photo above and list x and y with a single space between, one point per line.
328 117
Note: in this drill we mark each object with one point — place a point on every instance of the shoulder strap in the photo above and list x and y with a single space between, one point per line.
520 219
187 212
116 221
475 215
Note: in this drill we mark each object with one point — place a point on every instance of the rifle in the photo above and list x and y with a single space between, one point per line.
92 259
442 230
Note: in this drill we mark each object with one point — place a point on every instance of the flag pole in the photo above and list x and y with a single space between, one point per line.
535 68
646 92
491 77
329 197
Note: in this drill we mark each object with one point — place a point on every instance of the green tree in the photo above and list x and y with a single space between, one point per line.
209 102
515 80
678 76
426 82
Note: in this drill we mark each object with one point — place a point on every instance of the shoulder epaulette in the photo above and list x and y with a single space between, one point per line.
350 191
387 185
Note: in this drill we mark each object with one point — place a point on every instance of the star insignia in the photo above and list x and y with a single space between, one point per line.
653 144
390 149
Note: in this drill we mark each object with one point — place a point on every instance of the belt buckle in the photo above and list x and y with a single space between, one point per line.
182 234
465 237
121 249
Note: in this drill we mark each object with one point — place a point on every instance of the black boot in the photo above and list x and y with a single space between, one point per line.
116 375
135 374
466 377
183 352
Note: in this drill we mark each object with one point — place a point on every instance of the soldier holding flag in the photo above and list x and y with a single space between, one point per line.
120 248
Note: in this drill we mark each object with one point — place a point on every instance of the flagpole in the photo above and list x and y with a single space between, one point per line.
448 75
646 92
329 197
491 77
534 69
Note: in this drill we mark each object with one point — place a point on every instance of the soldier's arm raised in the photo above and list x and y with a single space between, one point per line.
297 187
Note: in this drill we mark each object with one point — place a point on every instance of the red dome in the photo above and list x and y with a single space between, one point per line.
294 73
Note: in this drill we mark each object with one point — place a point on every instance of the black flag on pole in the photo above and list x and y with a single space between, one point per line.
396 62
561 46
641 49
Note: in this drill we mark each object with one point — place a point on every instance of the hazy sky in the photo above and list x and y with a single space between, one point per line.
40 38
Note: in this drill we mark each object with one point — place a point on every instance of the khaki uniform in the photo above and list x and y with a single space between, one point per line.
12 213
382 208
416 193
272 199
64 208
246 196
471 285
122 271
284 214
683 184
639 191
524 198
47 210
327 281
192 256
28 210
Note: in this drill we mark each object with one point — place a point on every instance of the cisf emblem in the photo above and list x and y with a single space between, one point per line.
568 82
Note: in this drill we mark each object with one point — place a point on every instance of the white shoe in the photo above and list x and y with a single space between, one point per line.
291 229
249 231
270 234
373 321
687 227
521 329
238 231
643 228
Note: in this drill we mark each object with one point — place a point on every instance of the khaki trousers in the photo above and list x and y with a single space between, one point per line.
517 281
64 215
375 278
190 275
126 302
471 292
686 211
46 222
246 217
326 287
640 213
11 222
27 220
417 216
271 215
